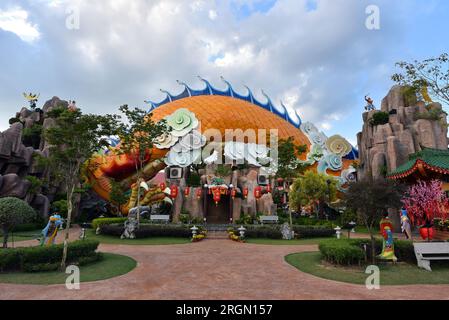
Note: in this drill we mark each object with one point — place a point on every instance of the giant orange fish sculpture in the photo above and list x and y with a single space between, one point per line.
195 118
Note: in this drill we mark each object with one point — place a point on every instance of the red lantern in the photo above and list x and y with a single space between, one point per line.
173 191
162 185
199 193
233 193
217 196
187 191
257 192
245 192
269 188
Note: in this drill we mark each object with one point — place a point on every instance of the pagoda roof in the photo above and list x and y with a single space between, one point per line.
432 160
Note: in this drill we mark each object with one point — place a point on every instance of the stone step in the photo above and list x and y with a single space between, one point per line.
217 235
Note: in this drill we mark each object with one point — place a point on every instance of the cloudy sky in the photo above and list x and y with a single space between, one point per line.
315 55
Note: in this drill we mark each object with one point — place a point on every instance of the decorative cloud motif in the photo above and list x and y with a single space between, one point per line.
338 145
191 141
183 159
182 121
165 141
251 152
330 161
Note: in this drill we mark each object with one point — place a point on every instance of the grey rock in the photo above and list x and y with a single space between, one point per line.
14 186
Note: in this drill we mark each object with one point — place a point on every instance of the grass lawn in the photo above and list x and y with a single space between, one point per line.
399 274
285 242
22 235
146 241
112 265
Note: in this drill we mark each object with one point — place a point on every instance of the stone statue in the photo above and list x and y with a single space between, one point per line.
405 224
386 228
286 231
131 225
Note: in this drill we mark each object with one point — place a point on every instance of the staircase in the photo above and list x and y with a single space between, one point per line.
217 231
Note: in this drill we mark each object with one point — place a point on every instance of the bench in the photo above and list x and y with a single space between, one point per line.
428 251
270 219
160 217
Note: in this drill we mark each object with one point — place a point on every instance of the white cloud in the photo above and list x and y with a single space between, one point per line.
125 51
15 20
213 14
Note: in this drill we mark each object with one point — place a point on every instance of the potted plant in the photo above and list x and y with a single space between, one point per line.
427 203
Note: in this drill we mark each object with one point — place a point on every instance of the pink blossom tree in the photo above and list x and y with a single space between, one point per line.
426 201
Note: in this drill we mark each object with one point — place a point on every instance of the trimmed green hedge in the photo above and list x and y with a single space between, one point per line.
149 230
33 259
106 221
274 231
351 251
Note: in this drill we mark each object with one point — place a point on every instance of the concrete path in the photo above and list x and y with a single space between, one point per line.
217 269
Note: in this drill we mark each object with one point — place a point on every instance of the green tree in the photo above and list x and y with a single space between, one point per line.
312 188
289 166
73 140
430 74
371 199
137 136
117 197
13 212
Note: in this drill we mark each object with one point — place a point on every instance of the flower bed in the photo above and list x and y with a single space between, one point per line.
234 237
441 229
200 236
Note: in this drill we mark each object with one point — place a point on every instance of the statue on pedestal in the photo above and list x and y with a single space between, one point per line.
405 224
386 229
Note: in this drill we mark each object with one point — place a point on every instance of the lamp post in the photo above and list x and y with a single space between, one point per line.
242 232
194 230
338 232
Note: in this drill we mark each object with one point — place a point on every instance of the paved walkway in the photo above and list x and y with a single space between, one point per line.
217 269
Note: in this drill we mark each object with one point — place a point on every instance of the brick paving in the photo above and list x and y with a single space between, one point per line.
217 269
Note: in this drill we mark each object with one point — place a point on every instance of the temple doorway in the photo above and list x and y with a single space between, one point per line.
218 213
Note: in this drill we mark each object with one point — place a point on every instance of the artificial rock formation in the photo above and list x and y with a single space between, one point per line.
18 156
411 127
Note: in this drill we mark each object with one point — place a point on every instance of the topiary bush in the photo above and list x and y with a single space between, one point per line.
313 231
48 258
100 222
13 212
337 251
149 230
341 252
380 118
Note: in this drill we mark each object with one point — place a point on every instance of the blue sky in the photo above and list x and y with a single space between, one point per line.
315 55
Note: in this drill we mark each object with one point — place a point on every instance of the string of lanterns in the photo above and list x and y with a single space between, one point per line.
217 191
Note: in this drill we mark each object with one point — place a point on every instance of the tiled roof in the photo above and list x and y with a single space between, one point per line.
430 159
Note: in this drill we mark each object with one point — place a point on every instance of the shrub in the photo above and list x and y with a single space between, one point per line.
313 231
149 230
341 252
100 222
13 212
33 259
336 251
380 118
270 232
61 207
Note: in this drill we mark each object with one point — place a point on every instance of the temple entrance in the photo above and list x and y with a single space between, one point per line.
218 213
